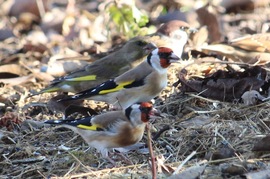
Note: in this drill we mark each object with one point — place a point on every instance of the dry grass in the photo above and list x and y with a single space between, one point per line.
223 133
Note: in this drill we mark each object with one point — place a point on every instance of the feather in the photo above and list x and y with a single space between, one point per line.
83 123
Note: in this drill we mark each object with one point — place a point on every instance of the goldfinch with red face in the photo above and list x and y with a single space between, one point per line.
139 84
113 129
173 34
116 63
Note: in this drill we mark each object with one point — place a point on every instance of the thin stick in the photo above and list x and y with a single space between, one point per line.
149 143
183 163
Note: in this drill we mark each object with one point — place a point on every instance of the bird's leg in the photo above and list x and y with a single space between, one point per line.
124 158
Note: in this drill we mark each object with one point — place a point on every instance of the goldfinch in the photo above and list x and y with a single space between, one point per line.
139 84
103 69
173 34
112 129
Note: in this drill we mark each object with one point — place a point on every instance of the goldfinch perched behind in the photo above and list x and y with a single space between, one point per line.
113 129
139 84
103 69
173 34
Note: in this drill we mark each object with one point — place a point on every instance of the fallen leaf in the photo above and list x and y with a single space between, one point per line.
11 70
234 169
256 42
34 48
208 17
222 152
18 80
238 54
262 145
224 85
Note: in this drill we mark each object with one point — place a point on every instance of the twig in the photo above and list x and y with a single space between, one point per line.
183 163
149 143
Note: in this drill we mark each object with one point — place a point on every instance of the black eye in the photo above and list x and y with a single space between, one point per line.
145 109
141 43
164 55
185 28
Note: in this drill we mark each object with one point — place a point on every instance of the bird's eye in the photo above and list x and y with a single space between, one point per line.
164 55
141 43
185 28
145 109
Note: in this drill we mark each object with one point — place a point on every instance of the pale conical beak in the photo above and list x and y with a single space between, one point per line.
174 58
150 46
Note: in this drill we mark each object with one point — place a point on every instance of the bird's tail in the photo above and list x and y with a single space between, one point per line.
83 123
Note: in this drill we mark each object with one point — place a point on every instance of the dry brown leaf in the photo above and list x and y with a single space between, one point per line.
262 145
221 152
11 70
208 17
256 42
234 169
224 85
200 37
18 80
17 7
237 54
34 48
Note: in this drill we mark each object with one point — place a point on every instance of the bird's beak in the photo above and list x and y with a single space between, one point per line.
174 58
192 30
150 46
155 112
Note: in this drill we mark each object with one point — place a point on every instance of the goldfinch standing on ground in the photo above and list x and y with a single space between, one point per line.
113 129
173 34
139 84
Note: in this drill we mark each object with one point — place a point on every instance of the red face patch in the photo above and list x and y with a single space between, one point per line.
164 54
146 109
146 105
164 50
164 63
